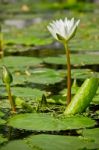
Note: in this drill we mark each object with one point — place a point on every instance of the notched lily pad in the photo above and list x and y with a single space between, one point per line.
47 122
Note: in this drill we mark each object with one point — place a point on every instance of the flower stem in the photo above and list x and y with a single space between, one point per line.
1 46
10 98
68 73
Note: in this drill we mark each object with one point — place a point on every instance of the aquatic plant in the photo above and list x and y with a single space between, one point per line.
7 79
63 31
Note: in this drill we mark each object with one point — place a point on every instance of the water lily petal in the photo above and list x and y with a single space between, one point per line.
63 28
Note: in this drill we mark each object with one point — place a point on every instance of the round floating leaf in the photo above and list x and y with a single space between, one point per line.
92 134
76 59
46 122
50 142
27 92
57 142
45 76
80 73
20 61
24 92
38 76
16 145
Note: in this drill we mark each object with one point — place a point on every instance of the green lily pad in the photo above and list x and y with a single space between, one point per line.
45 76
25 92
16 145
37 76
46 122
20 61
80 73
76 59
57 142
92 134
50 142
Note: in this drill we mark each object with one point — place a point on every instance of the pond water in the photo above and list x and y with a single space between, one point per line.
38 65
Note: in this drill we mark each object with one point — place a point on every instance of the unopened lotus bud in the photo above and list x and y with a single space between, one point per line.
6 76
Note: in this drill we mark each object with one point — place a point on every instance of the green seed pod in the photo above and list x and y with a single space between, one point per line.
83 97
6 76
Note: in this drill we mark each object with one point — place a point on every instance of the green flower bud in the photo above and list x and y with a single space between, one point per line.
6 76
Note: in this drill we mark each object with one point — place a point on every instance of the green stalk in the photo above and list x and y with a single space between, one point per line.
10 98
1 45
68 73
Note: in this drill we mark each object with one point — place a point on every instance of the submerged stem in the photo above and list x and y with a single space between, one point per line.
10 98
68 73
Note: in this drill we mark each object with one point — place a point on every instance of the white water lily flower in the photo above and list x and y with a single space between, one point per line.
63 30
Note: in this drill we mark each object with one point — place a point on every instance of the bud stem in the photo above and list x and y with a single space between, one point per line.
10 98
68 73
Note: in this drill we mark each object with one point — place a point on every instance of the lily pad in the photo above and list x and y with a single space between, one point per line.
45 76
20 61
25 92
47 122
36 76
50 142
76 59
16 145
92 134
57 142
